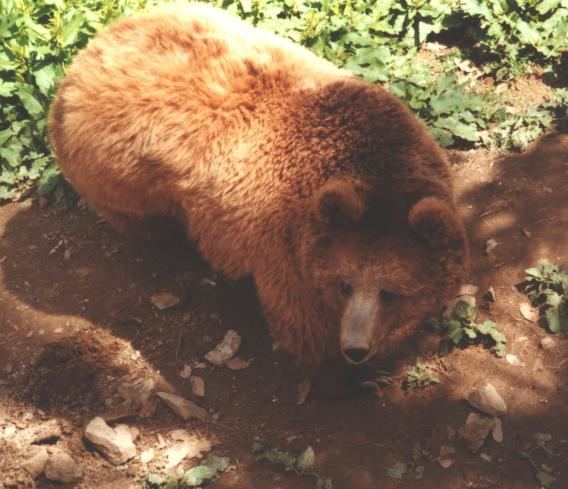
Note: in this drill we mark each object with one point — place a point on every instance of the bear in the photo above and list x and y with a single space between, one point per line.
279 165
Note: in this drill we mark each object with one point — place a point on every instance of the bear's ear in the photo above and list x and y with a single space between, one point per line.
339 202
437 224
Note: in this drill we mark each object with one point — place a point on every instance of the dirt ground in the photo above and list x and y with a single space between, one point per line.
76 324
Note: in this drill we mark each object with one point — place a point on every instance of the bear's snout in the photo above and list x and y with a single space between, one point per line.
357 329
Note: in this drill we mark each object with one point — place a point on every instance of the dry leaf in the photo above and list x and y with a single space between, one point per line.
237 363
528 312
225 349
165 300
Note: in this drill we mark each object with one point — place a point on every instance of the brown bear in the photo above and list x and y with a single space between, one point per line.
324 188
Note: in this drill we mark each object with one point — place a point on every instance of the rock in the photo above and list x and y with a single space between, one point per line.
147 455
475 431
488 400
114 443
237 363
165 300
547 343
182 407
61 467
185 372
490 245
197 385
497 431
468 289
491 294
9 431
512 359
37 457
224 350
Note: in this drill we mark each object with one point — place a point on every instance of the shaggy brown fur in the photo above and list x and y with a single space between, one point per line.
279 164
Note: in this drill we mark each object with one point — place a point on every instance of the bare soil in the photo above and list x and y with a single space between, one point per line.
76 323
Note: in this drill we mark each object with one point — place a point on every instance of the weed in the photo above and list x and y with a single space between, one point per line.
419 376
461 329
547 287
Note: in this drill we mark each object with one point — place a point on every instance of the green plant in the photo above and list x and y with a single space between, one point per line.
547 287
205 472
461 329
38 40
301 464
419 376
515 32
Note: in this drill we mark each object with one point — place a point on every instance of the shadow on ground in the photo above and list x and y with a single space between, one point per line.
76 321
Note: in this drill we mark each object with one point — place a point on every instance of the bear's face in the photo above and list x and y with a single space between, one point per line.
382 274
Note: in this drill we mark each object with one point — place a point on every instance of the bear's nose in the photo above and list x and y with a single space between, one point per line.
356 355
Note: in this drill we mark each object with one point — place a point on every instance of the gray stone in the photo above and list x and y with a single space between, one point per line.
182 407
488 400
114 443
61 467
37 457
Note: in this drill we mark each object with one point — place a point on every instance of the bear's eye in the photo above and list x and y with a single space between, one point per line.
346 289
387 297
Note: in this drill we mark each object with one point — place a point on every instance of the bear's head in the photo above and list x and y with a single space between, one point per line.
383 264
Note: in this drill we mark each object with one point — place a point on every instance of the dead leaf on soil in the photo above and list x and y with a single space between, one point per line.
491 295
225 349
237 363
528 312
165 300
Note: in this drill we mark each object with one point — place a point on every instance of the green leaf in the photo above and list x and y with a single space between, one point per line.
32 105
45 79
71 29
306 459
557 318
464 311
7 88
11 156
397 471
209 469
545 480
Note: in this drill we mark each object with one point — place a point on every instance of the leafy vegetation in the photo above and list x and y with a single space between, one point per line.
419 376
547 287
301 464
197 476
393 42
461 329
